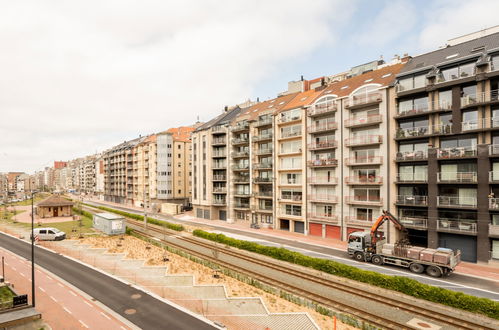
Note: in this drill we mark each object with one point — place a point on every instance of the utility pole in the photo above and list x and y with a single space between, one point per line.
32 249
144 187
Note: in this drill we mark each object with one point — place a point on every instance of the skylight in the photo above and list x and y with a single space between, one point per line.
386 75
368 80
303 98
344 87
452 56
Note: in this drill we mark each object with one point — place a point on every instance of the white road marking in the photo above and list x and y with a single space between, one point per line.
67 310
59 284
14 269
50 278
123 328
22 274
53 298
74 294
89 304
82 323
41 289
107 317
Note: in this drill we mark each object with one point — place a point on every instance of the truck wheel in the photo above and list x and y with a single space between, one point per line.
416 268
359 256
377 260
434 271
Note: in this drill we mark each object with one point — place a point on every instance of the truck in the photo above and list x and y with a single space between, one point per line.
372 247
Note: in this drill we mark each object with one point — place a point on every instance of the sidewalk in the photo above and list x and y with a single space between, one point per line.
481 270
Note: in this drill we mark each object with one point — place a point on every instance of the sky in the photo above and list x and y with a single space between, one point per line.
78 77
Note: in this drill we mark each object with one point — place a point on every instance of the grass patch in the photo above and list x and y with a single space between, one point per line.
38 198
6 294
401 284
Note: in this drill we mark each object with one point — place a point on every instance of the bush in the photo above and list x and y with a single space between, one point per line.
404 285
138 217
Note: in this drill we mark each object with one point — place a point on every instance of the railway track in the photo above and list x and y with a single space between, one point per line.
446 320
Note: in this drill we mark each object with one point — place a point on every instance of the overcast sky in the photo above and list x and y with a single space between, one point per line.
78 77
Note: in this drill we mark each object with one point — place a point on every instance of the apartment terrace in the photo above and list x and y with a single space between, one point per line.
240 154
239 141
219 177
412 200
218 130
264 151
219 141
362 100
480 124
422 108
239 127
369 160
364 180
241 179
288 119
420 177
457 177
363 121
322 198
220 190
322 180
219 202
480 98
363 140
262 137
323 145
364 200
263 122
259 180
241 205
414 222
323 127
323 217
322 109
218 154
457 226
355 221
422 131
456 201
330 162
219 166
263 165
494 203
240 167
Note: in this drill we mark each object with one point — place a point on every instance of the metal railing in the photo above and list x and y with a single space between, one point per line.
412 155
286 134
240 154
287 119
366 98
494 149
241 205
219 177
412 200
457 225
365 139
240 140
493 203
322 180
412 177
263 122
322 162
423 131
458 152
354 220
368 200
371 119
268 193
364 160
457 177
414 222
456 201
323 216
220 189
323 127
241 179
264 151
329 198
219 165
322 108
221 201
291 197
240 127
323 145
219 141
218 129
219 154
242 167
263 165
262 180
481 97
364 179
262 137
493 176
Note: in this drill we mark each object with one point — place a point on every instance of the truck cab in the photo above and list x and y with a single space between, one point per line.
358 241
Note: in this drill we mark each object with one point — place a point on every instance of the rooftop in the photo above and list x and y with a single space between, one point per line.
55 200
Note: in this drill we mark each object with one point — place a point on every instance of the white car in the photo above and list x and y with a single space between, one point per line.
49 234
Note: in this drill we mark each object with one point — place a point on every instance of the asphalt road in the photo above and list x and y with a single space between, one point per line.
151 313
479 287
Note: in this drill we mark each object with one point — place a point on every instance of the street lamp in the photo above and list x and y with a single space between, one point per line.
33 249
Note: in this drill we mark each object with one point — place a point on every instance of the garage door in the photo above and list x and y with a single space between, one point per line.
333 232
315 229
467 245
299 227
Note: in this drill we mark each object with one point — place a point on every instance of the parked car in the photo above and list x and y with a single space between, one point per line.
187 207
49 234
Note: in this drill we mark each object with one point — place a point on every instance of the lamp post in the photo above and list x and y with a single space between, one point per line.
32 249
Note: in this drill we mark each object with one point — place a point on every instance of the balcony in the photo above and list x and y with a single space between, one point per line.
457 177
455 201
265 194
493 176
414 222
218 142
363 140
363 100
287 197
364 180
412 177
242 194
414 110
241 179
240 154
421 131
219 201
411 200
219 166
242 206
324 217
293 213
289 119
323 109
220 190
368 160
322 180
494 203
240 167
218 129
263 122
458 152
264 151
458 226
412 155
259 180
219 177
355 221
493 230
323 127
479 98
263 166
323 145
494 149
364 200
218 154
363 121
331 162
241 126
322 198
262 137
266 209
237 141
292 134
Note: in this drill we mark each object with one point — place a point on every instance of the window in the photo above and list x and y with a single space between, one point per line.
413 128
290 131
413 150
411 173
291 162
445 99
412 82
291 178
364 214
366 195
292 210
470 120
291 146
413 105
461 71
463 142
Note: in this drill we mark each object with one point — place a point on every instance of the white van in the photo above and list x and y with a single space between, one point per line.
49 234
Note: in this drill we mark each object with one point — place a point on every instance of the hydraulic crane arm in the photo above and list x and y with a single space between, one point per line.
385 216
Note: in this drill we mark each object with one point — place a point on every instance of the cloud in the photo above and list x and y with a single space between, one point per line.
77 77
447 19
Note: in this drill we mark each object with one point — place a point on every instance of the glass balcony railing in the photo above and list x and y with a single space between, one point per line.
323 108
323 145
363 99
364 180
457 152
368 120
414 222
322 180
451 225
358 221
457 177
367 200
456 201
413 200
361 160
363 140
322 127
494 203
321 197
328 217
412 177
412 155
329 162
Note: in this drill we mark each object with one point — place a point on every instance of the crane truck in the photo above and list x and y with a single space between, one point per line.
372 247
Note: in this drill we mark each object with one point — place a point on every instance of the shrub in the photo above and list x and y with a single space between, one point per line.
401 284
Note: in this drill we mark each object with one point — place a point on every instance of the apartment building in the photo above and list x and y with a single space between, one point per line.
210 176
142 185
3 187
446 139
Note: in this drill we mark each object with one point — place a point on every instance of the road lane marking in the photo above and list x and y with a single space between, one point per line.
89 304
41 289
50 278
14 269
74 294
107 317
22 274
82 323
59 284
53 298
67 310
122 327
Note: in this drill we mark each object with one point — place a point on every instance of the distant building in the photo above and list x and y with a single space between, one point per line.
54 206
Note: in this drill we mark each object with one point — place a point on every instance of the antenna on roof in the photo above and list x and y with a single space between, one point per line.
198 119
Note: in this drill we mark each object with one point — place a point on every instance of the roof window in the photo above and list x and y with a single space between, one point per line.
344 87
368 80
452 56
386 75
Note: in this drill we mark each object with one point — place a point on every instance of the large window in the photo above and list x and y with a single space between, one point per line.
364 214
289 131
445 99
461 71
413 128
413 105
470 120
290 178
495 62
462 142
291 163
411 173
367 195
412 82
417 150
290 147
292 210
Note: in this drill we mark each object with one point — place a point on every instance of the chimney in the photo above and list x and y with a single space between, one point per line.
226 108
258 99
301 79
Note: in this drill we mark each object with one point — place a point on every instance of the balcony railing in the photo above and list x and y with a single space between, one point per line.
494 203
289 134
363 140
218 154
494 176
494 149
240 167
371 119
324 198
322 162
457 177
323 145
287 119
239 154
322 180
367 200
241 179
412 177
265 193
264 151
354 220
263 165
295 213
328 217
458 152
263 122
241 205
423 131
219 189
240 127
412 155
414 109
219 177
323 108
262 137
414 222
240 140
412 200
218 129
220 201
291 197
219 141
219 166
242 194
265 208
493 229
262 180
367 98
322 127
367 160
482 97
456 201
457 225
364 180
